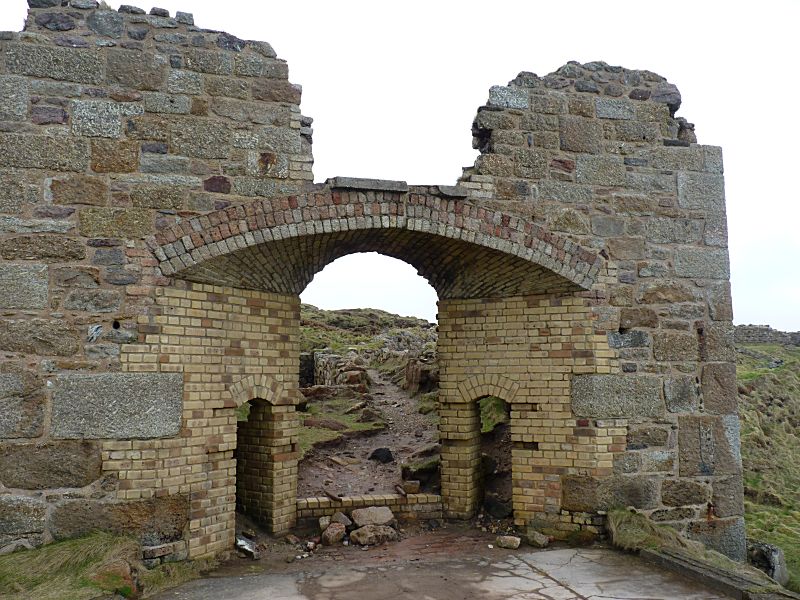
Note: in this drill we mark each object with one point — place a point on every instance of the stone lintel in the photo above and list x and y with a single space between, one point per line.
357 183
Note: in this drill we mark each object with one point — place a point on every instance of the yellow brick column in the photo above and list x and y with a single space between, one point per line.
461 445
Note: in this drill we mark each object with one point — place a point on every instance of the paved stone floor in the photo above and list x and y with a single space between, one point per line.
409 570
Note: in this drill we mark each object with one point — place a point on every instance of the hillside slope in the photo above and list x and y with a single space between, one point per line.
769 411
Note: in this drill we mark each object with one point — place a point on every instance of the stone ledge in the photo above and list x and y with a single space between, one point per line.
357 183
736 585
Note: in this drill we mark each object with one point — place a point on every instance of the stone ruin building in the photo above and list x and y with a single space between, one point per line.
158 219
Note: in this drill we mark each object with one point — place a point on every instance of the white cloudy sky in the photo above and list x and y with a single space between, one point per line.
393 88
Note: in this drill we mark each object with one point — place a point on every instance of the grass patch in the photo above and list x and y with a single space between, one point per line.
76 569
769 413
331 409
779 526
493 411
88 567
633 531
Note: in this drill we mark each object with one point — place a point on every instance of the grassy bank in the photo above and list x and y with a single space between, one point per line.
769 410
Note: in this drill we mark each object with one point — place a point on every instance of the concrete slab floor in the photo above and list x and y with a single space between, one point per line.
525 574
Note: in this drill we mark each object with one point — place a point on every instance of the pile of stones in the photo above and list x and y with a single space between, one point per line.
365 527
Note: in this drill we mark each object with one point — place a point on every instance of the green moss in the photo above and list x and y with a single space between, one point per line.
493 411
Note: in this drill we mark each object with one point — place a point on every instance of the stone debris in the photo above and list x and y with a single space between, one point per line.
374 515
537 539
382 455
510 542
371 535
770 559
333 534
248 547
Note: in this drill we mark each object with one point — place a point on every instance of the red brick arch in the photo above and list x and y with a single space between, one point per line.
462 249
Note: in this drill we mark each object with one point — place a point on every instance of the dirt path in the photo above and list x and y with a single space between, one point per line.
346 469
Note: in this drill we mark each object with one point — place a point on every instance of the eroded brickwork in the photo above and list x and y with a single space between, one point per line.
158 221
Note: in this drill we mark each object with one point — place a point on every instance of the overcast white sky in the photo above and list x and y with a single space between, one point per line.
393 89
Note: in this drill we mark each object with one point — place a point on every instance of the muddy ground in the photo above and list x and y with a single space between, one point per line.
344 468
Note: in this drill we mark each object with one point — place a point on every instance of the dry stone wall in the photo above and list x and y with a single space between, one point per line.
158 221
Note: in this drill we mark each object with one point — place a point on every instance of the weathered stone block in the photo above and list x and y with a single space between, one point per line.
637 317
627 462
79 189
718 343
723 535
157 102
508 97
716 231
728 496
184 82
684 492
205 61
17 190
163 163
116 222
608 108
14 98
636 131
67 64
568 221
100 118
562 191
701 191
20 515
94 301
674 231
201 139
42 152
45 248
675 346
159 197
111 156
673 514
17 225
681 394
658 461
627 248
616 396
53 465
719 388
271 90
629 339
117 405
708 445
107 23
22 415
600 170
647 437
132 69
578 134
531 164
665 292
76 277
23 286
608 225
232 87
38 336
252 65
676 158
154 521
589 494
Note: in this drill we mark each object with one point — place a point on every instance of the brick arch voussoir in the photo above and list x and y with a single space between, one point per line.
480 386
258 386
194 241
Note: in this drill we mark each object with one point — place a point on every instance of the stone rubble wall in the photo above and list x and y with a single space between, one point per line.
114 125
764 334
595 153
